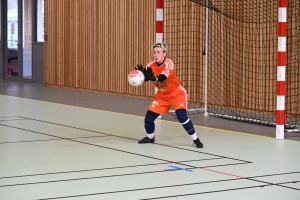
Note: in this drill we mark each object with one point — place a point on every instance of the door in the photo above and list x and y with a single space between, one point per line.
19 40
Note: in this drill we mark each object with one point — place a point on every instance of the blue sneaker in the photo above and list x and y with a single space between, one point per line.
146 140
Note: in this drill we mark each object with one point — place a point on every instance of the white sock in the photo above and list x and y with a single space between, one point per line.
194 136
150 135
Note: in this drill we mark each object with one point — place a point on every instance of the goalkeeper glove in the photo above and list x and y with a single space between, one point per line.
149 75
141 68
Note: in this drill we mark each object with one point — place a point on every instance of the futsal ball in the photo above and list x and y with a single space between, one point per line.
136 78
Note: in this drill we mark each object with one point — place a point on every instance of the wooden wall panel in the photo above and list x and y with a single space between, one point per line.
93 44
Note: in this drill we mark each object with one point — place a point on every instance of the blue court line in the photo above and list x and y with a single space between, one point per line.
177 168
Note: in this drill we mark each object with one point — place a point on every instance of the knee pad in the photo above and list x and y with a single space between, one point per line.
185 121
181 115
149 121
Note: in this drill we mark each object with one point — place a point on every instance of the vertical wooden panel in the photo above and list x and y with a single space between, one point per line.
93 44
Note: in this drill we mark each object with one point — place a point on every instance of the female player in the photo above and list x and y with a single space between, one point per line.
162 73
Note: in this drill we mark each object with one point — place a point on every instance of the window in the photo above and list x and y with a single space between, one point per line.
12 24
40 20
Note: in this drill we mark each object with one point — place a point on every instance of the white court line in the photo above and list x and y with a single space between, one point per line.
205 127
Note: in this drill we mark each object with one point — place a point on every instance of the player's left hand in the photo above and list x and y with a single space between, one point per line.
149 75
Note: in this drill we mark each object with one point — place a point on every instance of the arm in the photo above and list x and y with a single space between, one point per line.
150 76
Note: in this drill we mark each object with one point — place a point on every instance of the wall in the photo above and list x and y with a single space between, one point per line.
93 44
38 62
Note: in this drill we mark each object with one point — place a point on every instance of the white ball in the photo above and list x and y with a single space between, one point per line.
136 78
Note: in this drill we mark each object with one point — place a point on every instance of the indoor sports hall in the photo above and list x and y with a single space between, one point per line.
65 144
71 117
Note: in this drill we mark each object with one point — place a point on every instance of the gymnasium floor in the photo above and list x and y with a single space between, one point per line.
65 144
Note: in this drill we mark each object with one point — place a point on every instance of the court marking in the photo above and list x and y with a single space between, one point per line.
172 168
278 184
183 164
205 127
62 138
25 141
11 120
204 168
110 176
274 174
117 136
47 139
222 173
141 189
107 168
215 191
9 117
126 138
191 167
265 184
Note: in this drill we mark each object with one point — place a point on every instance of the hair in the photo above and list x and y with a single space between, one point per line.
161 45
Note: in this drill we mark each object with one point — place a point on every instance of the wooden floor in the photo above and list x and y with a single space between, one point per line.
65 144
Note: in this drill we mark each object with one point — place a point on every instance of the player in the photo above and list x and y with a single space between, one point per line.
162 73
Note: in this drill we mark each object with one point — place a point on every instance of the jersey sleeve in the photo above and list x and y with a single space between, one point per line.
149 63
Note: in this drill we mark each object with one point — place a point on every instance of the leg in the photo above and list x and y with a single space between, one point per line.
156 108
149 127
188 126
186 123
180 105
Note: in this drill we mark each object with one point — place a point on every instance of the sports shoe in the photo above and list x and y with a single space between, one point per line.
146 140
198 143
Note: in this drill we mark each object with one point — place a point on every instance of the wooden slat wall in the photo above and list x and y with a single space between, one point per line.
93 44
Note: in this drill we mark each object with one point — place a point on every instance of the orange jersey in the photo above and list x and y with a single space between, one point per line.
171 86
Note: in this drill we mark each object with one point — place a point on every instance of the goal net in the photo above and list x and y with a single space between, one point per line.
225 53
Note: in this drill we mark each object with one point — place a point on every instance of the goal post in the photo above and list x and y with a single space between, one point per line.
281 60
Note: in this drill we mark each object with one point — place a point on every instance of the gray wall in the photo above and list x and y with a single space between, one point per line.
38 62
1 62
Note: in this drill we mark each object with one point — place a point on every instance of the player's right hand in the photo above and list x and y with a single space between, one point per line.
139 67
